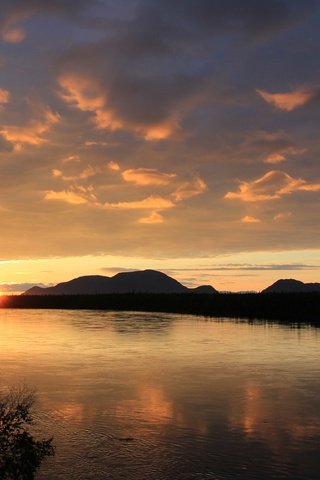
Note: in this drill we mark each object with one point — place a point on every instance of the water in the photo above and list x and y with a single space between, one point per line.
153 396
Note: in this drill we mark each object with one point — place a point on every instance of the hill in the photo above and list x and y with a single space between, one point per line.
291 286
145 281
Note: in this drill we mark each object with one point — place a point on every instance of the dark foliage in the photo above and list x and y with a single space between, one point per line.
284 307
20 454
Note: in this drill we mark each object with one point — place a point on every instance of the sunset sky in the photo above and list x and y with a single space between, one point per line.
178 135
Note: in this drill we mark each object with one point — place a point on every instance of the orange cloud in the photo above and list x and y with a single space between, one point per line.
287 101
153 218
160 131
270 186
113 166
189 189
154 202
248 219
140 177
275 158
70 158
88 172
86 95
32 133
281 155
147 176
66 196
4 96
57 173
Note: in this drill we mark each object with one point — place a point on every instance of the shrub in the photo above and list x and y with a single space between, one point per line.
20 454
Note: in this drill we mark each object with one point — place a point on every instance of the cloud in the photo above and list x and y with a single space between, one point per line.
153 218
4 96
93 143
281 155
88 95
288 101
88 172
147 176
271 186
156 65
20 287
12 35
254 266
153 202
33 132
76 196
275 158
113 166
139 177
70 158
14 12
189 189
5 146
248 219
282 216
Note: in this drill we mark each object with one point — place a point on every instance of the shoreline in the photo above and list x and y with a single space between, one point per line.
301 308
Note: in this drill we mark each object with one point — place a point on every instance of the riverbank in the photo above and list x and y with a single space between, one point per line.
287 307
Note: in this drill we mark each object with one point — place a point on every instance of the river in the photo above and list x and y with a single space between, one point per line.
150 396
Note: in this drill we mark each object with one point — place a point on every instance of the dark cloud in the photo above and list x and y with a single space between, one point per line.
251 17
168 56
16 10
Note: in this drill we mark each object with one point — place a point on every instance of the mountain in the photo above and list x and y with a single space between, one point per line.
203 289
291 285
145 281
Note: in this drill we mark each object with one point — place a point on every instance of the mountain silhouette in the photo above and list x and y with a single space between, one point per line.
291 286
145 281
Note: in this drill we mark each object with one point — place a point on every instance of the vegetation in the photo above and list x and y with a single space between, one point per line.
20 454
284 307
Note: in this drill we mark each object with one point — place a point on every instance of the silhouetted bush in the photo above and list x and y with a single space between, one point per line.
20 454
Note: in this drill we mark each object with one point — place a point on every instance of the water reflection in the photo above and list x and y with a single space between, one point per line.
201 400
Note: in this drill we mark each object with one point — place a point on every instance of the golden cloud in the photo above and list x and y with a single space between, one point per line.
140 177
271 186
88 172
189 189
113 166
86 95
248 219
287 101
153 202
147 176
32 133
66 196
153 218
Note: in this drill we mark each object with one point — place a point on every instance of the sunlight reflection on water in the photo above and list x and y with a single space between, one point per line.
159 396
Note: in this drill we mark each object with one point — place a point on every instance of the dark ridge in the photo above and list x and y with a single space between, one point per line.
291 285
145 281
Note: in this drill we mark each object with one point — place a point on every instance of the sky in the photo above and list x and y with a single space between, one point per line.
176 135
